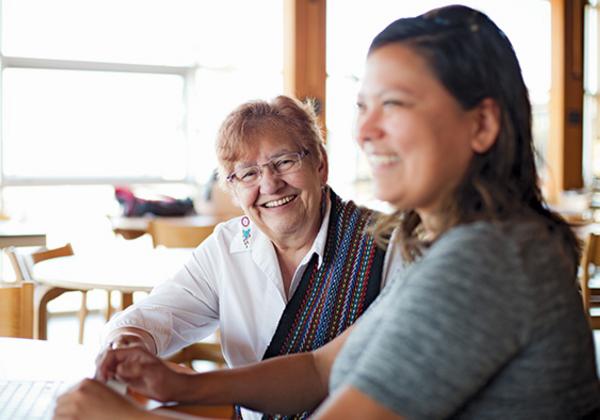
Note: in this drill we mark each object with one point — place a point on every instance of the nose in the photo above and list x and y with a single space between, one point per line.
270 182
368 126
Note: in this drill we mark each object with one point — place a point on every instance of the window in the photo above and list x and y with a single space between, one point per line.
61 124
128 90
102 92
363 20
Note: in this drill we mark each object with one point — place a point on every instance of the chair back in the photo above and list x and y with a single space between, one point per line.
171 234
23 263
210 352
16 309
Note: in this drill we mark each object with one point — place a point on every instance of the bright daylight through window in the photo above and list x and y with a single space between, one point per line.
104 92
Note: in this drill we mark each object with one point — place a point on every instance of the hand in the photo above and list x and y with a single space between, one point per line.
92 400
121 341
142 372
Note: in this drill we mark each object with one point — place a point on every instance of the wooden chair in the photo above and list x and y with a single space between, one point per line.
590 285
16 310
22 264
210 352
171 234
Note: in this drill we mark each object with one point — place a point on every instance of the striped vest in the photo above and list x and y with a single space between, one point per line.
331 297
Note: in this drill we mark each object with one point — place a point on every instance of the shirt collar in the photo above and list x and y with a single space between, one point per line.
258 239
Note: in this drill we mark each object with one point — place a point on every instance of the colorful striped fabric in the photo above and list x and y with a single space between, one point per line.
331 297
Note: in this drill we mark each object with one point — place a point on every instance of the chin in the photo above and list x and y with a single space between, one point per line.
386 193
282 227
394 201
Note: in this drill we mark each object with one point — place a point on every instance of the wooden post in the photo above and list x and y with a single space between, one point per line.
304 56
565 147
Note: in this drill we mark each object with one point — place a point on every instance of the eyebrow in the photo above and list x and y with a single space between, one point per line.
387 90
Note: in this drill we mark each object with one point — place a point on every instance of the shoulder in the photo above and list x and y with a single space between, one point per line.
479 238
514 250
350 207
498 238
469 255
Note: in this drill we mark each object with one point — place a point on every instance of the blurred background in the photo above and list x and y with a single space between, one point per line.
96 94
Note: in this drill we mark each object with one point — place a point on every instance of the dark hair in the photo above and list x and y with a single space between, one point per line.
474 60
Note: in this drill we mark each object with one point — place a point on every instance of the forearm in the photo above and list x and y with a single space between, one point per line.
283 385
161 414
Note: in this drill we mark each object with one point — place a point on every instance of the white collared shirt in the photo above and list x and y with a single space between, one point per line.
226 284
229 284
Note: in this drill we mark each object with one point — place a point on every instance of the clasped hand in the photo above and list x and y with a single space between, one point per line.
142 371
133 365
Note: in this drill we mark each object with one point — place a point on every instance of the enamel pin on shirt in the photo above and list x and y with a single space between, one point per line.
246 234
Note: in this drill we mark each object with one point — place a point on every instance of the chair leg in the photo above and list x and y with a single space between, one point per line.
109 309
43 295
82 314
126 300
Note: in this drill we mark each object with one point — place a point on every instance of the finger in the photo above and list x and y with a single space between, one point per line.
104 366
63 412
64 409
130 369
68 405
109 362
114 358
122 341
101 362
99 356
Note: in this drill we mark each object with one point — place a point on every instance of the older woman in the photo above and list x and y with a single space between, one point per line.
290 275
484 320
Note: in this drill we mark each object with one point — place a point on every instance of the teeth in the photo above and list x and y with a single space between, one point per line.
376 160
280 202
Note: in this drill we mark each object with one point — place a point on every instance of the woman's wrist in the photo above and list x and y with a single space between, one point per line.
188 388
124 336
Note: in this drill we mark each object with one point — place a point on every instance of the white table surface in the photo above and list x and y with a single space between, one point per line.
141 223
20 234
119 269
22 359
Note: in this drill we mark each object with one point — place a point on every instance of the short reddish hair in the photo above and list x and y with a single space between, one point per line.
249 121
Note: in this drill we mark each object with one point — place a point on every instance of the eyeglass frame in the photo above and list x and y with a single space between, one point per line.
232 178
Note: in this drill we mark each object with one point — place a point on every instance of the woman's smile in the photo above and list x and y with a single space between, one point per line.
279 202
381 161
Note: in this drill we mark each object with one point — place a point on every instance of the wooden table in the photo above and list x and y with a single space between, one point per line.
134 227
20 234
119 269
31 360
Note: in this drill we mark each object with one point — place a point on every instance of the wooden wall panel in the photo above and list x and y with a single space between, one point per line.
304 65
565 148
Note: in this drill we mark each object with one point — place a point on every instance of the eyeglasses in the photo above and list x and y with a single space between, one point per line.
281 165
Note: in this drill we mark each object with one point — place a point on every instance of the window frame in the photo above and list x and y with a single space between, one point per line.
186 72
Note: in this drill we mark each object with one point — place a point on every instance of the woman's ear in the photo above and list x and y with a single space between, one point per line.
487 115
